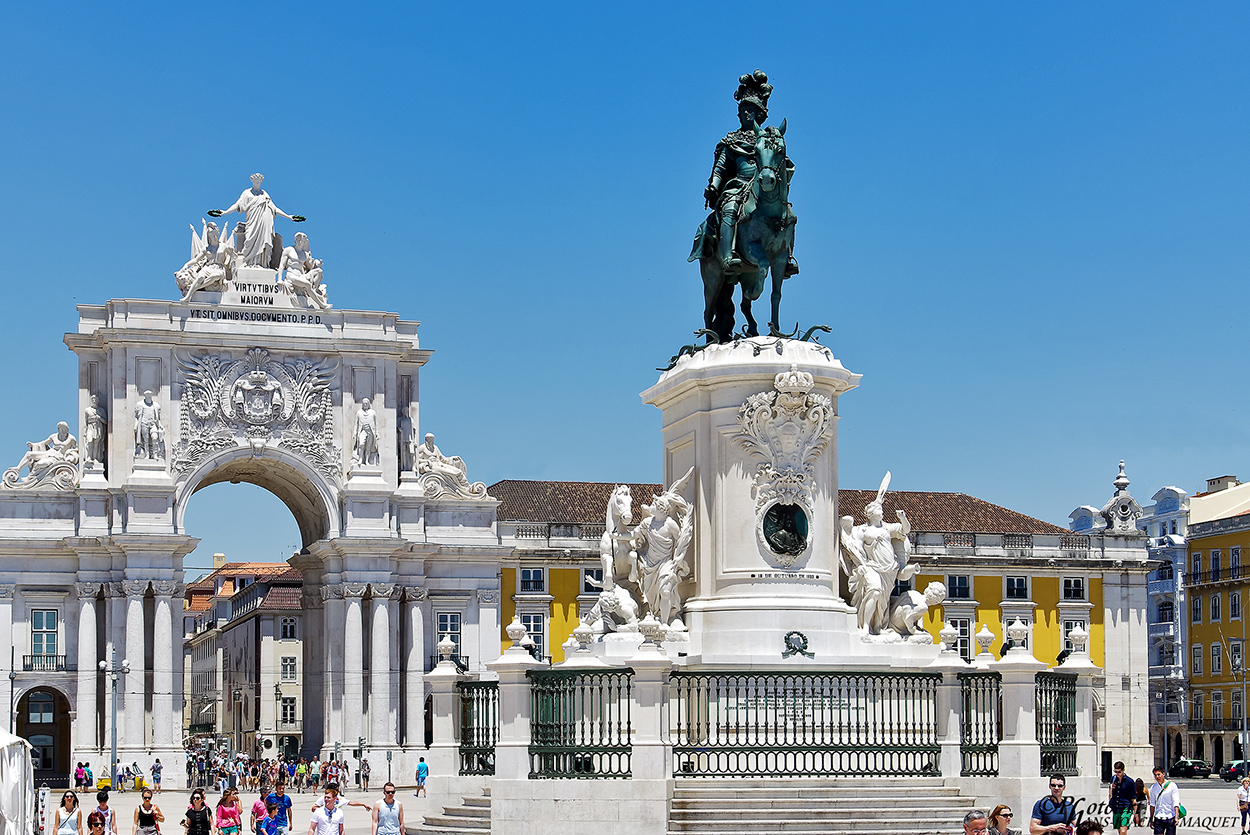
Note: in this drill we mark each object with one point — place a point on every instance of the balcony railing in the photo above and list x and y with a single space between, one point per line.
290 725
43 663
1174 672
1167 586
1167 629
557 530
1215 724
1224 574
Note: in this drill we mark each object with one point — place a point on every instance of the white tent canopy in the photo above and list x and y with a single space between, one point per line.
17 785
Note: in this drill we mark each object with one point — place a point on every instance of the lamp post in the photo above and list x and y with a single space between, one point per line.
238 719
277 713
111 670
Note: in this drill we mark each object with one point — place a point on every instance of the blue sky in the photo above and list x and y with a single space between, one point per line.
1026 224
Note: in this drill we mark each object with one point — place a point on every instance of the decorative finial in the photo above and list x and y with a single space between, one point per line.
950 638
984 638
1121 481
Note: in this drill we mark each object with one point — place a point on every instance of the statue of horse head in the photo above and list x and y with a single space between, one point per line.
620 513
770 155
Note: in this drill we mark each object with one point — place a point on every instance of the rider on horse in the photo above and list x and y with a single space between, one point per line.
728 188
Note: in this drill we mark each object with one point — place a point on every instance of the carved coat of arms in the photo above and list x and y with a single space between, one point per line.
257 401
789 428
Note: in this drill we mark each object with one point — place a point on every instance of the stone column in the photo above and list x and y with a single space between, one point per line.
1020 781
332 641
392 666
948 706
414 666
163 649
312 707
114 653
353 664
6 639
1078 662
180 697
512 757
652 758
488 625
381 728
88 669
134 716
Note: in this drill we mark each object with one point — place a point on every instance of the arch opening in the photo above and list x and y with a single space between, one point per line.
307 495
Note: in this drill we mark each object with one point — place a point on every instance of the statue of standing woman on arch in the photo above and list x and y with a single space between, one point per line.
257 249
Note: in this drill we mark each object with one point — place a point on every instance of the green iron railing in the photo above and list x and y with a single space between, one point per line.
980 723
1056 722
580 724
732 724
479 726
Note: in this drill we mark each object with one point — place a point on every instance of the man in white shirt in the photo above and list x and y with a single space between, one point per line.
328 819
1165 804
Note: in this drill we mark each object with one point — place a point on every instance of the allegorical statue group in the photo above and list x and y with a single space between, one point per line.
643 564
215 261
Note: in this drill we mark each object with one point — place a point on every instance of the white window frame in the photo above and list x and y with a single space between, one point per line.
533 571
1195 659
952 582
587 574
1215 564
1068 626
47 710
1217 705
1235 659
1234 605
288 629
539 636
291 703
456 634
1071 583
1198 705
1235 703
1195 563
1217 608
1007 588
1217 660
54 633
964 642
1195 609
289 671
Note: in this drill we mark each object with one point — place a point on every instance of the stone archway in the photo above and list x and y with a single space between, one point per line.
311 499
43 720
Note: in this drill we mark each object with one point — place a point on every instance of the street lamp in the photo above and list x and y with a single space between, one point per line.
110 669
277 711
238 719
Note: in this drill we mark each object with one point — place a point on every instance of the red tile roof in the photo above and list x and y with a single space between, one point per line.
583 502
282 597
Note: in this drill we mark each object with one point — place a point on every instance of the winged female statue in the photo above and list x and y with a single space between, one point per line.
212 262
874 556
661 542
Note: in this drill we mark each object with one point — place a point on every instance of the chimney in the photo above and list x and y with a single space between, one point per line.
1215 485
220 559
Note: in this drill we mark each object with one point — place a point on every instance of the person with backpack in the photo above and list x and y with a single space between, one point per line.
1165 804
1121 796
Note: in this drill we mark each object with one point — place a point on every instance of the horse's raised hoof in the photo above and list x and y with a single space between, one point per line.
792 268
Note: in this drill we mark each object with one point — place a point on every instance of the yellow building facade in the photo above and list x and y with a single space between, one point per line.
1217 588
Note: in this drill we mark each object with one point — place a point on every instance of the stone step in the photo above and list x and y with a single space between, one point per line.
865 793
486 792
468 811
840 826
456 822
477 801
789 804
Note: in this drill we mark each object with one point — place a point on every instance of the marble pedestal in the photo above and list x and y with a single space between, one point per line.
744 597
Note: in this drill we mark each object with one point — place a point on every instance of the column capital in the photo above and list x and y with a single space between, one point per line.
114 588
6 591
310 598
134 588
88 590
355 589
488 595
168 588
414 594
331 592
381 590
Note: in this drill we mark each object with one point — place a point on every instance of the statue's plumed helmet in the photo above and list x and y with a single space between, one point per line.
754 88
874 507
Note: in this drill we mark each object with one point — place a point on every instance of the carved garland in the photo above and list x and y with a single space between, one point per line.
255 401
789 429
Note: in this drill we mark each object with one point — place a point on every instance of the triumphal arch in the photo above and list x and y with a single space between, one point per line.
247 373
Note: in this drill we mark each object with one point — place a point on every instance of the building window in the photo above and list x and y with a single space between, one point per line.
288 668
43 632
592 580
40 707
902 586
1017 588
535 625
1167 612
288 710
1234 563
532 580
1173 526
1234 605
1068 626
287 629
1217 660
1215 565
1195 660
1215 607
1198 706
1237 705
1167 654
1073 588
1195 564
964 642
957 588
1165 572
1234 655
449 624
1195 610
1217 705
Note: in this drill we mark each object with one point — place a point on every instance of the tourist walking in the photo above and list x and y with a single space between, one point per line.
1089 827
80 778
1053 813
1165 804
110 819
147 817
1143 801
229 813
259 808
1121 797
975 823
1243 801
198 820
328 819
68 820
157 768
95 823
279 798
364 775
423 771
388 813
1000 821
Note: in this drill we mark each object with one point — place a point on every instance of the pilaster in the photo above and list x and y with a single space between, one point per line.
87 725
